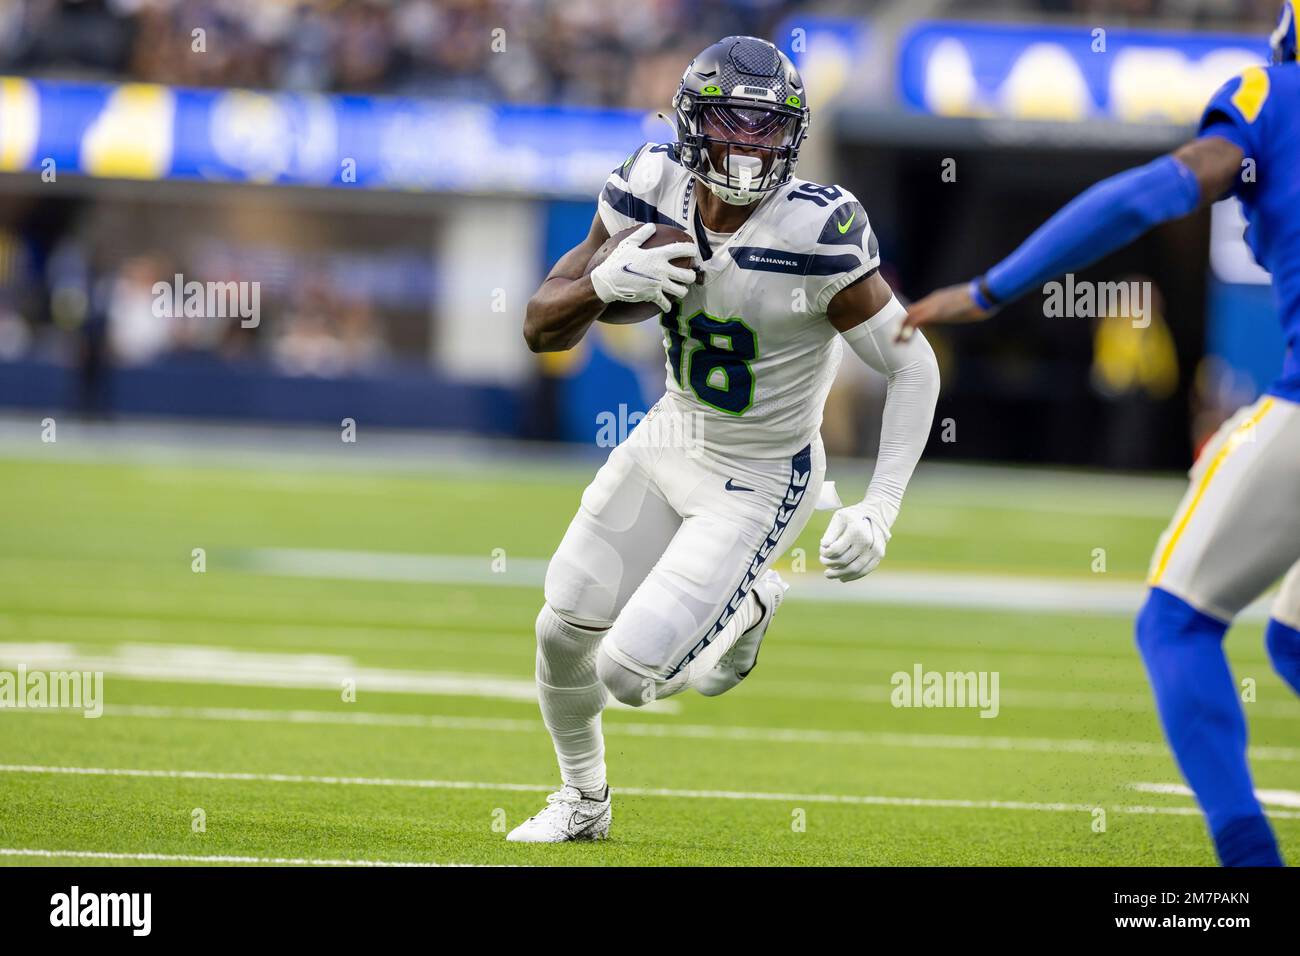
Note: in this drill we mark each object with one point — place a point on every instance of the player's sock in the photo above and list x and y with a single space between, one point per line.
1283 644
572 698
1197 700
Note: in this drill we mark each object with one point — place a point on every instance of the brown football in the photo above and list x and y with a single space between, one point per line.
625 313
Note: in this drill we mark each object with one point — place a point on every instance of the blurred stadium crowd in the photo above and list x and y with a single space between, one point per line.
576 51
595 52
96 314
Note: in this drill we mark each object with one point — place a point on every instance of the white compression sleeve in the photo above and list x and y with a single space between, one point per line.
913 389
572 698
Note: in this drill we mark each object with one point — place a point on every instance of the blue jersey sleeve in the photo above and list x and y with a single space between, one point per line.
1234 110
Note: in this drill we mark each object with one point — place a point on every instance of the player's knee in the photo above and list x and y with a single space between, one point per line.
624 684
1283 643
564 649
576 595
552 631
1167 623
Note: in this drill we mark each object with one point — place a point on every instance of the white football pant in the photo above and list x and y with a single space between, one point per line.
652 579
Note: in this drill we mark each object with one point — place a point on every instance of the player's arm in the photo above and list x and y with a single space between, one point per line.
867 316
562 309
1105 217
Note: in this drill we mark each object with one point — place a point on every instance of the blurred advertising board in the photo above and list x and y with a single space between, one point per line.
142 131
1067 73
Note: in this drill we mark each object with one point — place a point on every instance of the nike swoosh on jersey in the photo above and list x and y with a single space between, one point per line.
845 228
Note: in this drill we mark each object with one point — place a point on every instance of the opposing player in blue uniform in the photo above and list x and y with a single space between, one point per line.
1238 528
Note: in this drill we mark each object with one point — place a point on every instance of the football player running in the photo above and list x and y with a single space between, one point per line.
663 580
1238 527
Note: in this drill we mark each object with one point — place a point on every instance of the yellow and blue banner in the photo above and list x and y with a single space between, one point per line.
149 132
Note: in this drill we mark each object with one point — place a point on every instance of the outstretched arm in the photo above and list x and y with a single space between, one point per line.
1098 221
867 315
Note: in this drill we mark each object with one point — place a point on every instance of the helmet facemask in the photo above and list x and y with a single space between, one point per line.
740 148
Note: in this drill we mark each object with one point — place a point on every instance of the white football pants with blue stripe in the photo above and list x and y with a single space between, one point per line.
653 578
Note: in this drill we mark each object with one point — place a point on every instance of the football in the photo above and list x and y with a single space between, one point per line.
626 313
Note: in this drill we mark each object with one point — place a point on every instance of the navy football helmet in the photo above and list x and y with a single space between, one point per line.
741 114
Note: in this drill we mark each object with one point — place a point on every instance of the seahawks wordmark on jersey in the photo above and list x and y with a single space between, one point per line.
749 350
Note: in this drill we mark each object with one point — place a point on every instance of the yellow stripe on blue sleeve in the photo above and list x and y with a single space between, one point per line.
1250 96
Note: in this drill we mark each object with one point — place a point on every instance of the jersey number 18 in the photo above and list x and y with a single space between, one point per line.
717 368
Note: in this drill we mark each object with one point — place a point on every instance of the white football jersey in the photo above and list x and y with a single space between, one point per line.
750 353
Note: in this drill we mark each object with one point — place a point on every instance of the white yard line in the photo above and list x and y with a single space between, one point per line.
389 566
191 858
202 664
229 666
929 588
1274 798
1011 698
849 799
618 727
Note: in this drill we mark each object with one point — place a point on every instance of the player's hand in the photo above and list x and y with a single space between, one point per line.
854 544
953 304
634 274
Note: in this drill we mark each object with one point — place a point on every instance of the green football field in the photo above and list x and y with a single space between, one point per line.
348 678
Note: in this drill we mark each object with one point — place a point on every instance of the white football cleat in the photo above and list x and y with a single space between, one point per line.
568 815
735 665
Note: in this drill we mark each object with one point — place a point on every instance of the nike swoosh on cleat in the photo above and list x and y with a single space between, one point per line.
732 486
585 824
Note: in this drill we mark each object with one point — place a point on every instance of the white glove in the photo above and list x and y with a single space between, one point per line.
854 544
633 274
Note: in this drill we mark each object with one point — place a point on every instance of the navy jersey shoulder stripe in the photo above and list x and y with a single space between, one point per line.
622 201
760 259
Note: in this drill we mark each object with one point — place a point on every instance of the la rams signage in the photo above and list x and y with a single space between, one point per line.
1034 72
149 132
